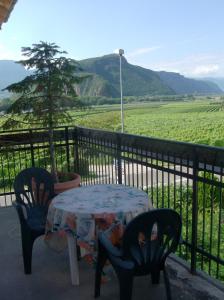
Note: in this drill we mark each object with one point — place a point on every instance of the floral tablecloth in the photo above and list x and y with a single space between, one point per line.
87 209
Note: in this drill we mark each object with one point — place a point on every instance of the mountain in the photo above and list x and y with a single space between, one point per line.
219 81
104 79
10 72
183 85
137 81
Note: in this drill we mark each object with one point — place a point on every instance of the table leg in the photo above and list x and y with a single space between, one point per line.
73 260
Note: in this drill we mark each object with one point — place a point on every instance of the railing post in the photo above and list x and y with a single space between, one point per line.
76 150
67 148
119 161
31 148
194 216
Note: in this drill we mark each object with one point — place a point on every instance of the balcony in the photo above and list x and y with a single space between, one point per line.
186 177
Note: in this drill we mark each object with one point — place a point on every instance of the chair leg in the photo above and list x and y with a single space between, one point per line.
78 252
27 247
101 260
167 284
155 276
126 285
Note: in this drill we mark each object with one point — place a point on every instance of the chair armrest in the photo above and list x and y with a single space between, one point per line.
53 195
114 254
124 264
21 210
107 244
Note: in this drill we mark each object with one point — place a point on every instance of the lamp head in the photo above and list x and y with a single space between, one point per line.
121 52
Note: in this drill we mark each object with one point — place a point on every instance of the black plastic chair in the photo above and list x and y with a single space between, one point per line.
34 189
147 241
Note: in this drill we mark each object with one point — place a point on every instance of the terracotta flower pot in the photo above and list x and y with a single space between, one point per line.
73 182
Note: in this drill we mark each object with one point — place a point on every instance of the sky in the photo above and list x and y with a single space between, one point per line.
184 36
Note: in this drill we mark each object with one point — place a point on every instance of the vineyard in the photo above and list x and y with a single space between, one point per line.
194 121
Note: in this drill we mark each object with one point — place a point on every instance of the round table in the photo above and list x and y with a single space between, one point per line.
80 212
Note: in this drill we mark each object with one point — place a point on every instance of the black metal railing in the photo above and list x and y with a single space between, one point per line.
185 177
21 149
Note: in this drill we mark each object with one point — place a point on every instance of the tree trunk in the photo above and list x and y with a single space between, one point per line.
52 155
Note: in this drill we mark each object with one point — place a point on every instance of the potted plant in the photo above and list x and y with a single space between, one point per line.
44 96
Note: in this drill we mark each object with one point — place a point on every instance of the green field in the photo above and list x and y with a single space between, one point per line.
196 121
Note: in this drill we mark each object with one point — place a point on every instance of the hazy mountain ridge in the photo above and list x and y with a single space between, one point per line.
183 85
105 80
219 81
10 72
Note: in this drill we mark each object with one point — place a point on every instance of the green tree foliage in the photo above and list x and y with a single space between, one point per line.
209 195
41 95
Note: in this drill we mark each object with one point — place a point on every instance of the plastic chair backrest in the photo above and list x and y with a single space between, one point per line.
34 187
151 237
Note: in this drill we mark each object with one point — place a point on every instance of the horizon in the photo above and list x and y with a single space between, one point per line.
173 37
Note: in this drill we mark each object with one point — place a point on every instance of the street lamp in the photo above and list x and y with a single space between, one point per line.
121 52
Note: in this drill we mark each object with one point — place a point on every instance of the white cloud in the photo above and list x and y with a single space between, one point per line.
141 51
198 65
205 70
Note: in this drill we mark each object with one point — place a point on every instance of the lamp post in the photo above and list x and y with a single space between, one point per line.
121 52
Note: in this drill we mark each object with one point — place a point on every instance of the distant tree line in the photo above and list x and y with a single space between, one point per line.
102 100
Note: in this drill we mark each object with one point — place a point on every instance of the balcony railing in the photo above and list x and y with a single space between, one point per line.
182 176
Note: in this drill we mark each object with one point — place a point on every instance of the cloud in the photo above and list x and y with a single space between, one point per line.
205 70
197 65
141 51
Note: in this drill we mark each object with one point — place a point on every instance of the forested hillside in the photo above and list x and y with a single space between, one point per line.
104 80
183 85
137 81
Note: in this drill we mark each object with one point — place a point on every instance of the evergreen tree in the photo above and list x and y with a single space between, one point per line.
44 96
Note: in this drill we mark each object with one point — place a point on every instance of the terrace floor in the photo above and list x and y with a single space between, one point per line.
51 277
